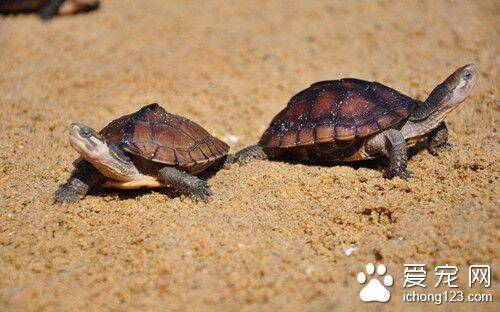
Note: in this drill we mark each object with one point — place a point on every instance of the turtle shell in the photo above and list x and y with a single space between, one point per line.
153 133
337 110
10 6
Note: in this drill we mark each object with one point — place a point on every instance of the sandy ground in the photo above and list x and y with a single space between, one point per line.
274 234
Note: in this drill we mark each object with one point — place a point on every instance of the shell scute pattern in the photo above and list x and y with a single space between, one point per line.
337 110
155 134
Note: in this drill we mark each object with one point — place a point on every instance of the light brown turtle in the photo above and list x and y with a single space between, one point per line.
149 148
351 119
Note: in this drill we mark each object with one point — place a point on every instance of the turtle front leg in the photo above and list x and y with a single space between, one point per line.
82 180
248 154
392 144
438 140
49 10
185 183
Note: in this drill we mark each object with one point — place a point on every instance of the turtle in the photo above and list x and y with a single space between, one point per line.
351 119
148 148
48 8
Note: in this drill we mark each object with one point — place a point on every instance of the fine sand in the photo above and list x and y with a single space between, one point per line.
274 235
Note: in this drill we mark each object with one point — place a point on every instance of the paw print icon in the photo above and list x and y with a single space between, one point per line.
374 290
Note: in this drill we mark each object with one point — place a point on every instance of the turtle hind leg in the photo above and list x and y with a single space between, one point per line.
438 140
48 11
392 144
84 178
248 154
185 183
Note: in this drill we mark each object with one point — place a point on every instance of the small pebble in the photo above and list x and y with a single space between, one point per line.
349 250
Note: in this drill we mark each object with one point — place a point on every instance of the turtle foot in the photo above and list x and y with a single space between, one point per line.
66 194
403 174
185 183
436 150
200 191
246 155
230 159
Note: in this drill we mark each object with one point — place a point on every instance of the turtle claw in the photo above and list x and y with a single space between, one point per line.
436 150
65 194
201 191
403 174
185 183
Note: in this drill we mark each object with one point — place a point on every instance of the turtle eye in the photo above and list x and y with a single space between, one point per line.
86 132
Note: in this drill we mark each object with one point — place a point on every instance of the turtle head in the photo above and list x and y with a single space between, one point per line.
459 84
447 95
75 6
106 156
89 143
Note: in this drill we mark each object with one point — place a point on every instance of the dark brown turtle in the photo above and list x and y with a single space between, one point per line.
351 119
149 148
48 8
